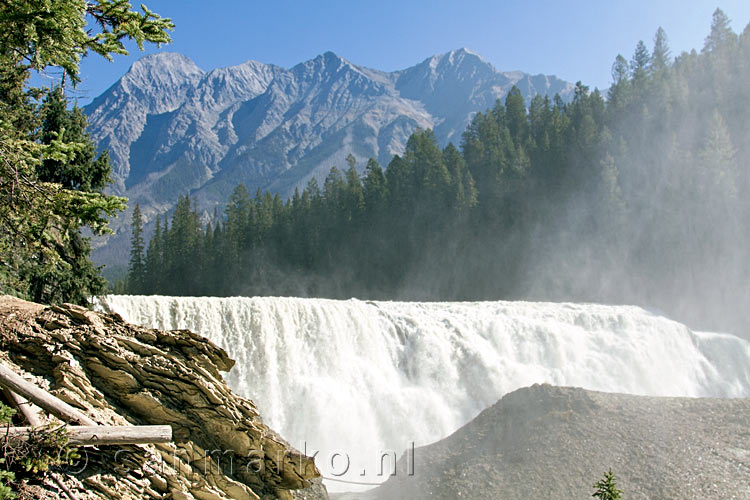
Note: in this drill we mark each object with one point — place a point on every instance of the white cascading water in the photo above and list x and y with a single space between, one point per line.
360 378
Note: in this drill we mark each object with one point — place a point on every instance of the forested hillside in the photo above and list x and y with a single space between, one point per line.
636 196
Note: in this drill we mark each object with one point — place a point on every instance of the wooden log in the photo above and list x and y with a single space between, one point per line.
94 435
61 485
42 398
29 411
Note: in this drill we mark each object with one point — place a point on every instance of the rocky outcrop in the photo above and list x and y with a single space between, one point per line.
555 442
120 374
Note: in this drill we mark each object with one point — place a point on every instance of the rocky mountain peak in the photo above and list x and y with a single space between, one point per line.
457 57
233 83
324 66
333 59
328 75
461 62
164 69
457 72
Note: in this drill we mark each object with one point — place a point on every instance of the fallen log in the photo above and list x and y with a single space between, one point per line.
42 398
95 435
29 411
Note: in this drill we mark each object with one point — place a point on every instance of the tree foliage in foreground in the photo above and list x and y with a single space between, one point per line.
51 179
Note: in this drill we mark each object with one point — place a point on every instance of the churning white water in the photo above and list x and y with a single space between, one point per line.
353 379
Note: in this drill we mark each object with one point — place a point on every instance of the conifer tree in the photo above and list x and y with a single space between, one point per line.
355 199
620 70
606 488
639 64
50 182
238 220
351 160
136 279
154 261
430 176
66 273
515 115
375 189
82 170
660 55
721 32
463 190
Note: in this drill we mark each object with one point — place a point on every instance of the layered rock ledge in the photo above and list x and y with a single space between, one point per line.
121 374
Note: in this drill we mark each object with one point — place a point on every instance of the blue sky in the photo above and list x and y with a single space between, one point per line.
574 39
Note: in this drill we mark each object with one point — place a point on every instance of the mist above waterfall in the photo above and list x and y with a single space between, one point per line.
364 378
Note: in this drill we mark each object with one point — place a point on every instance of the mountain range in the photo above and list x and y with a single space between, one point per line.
172 128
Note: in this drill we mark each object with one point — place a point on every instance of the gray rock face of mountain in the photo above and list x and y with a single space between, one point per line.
167 123
453 86
172 128
153 86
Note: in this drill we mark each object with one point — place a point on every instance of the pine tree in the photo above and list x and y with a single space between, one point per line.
136 279
463 189
515 115
351 160
50 182
238 219
82 170
485 148
183 244
375 189
606 488
334 192
430 176
67 274
721 32
620 70
660 56
154 261
639 63
355 199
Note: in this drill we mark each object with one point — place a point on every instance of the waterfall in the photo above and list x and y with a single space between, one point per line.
360 381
